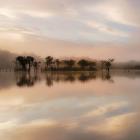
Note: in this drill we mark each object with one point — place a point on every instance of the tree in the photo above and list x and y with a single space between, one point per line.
30 61
49 61
92 64
108 64
22 61
57 61
36 65
83 63
69 63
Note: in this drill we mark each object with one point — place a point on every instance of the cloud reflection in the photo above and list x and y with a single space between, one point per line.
71 108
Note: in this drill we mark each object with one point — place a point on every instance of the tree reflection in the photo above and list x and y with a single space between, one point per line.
86 77
49 80
8 79
107 76
68 77
26 79
29 79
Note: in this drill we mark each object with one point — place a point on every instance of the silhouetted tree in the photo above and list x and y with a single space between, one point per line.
30 61
36 65
22 61
69 63
92 65
83 63
49 61
108 64
57 61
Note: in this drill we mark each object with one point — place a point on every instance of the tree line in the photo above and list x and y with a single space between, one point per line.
27 63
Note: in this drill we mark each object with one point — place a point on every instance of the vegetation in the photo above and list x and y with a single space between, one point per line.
27 63
49 62
107 64
87 65
69 63
83 63
57 61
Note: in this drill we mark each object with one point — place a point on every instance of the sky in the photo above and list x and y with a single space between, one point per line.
98 29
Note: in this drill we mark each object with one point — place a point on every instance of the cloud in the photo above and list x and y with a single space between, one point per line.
106 29
7 13
15 14
124 11
67 9
83 23
46 46
121 11
108 110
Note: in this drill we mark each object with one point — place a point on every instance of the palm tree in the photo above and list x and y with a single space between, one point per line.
57 61
69 63
36 65
83 63
22 61
30 61
49 61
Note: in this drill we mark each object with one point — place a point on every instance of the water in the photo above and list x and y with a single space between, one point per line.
70 106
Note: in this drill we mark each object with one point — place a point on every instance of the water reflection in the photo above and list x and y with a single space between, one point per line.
107 76
26 79
29 80
69 77
75 76
70 106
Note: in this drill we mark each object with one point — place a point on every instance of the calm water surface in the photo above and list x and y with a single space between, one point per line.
70 106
